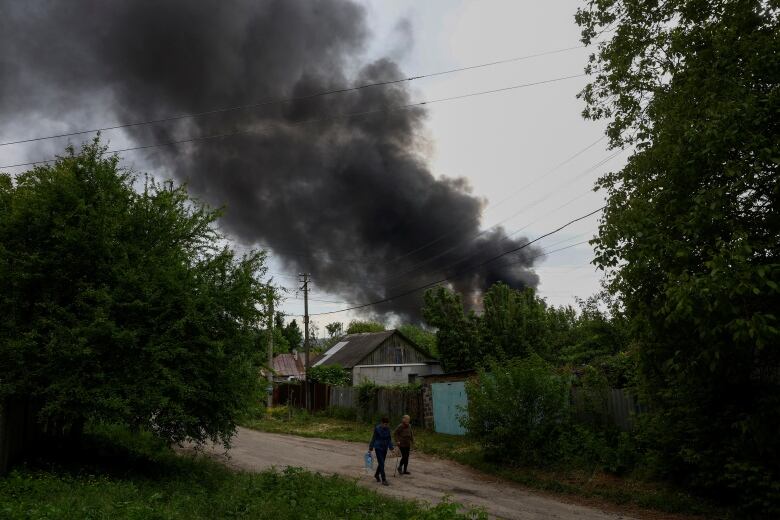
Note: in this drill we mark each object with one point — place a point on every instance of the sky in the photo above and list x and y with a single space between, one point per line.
515 164
502 143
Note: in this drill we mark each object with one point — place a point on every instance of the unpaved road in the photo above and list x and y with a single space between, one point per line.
431 478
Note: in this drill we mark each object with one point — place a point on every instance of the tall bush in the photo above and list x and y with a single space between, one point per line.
118 305
518 409
330 375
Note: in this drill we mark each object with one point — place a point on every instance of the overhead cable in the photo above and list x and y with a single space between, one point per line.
347 115
471 268
275 101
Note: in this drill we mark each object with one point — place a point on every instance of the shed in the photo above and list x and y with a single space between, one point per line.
289 367
384 358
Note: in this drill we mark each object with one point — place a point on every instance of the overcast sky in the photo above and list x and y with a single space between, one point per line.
503 142
509 146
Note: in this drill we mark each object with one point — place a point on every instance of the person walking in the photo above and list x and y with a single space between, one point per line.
404 437
381 442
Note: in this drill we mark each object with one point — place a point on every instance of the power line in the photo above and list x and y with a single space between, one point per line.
507 237
450 233
495 205
289 99
481 264
319 119
546 253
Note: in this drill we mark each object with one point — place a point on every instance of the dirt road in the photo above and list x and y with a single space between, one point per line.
431 478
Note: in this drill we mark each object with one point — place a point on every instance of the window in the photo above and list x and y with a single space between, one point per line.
399 355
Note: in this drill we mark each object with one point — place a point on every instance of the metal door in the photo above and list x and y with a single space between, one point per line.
449 404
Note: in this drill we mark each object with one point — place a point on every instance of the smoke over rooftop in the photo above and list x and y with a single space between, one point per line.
350 200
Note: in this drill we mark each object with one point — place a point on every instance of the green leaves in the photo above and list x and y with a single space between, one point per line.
118 305
689 238
518 410
357 327
330 375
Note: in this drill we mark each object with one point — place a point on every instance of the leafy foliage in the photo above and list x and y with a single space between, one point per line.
518 410
423 338
117 305
357 326
457 338
367 391
330 375
293 334
134 477
518 324
690 233
335 329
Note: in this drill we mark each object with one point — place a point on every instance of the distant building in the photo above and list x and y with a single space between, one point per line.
384 358
289 367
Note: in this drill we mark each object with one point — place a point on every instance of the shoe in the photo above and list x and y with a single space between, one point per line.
377 478
385 483
406 473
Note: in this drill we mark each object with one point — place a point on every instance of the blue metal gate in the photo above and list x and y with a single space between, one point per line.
449 404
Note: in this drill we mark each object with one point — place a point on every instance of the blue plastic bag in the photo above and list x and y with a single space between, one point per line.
368 461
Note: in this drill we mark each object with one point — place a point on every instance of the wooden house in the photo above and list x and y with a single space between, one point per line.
384 358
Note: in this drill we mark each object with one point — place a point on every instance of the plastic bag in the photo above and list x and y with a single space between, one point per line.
368 461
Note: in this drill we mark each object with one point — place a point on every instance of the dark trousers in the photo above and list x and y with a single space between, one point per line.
404 464
380 464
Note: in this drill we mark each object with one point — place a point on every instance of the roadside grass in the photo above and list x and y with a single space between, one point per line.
126 476
589 486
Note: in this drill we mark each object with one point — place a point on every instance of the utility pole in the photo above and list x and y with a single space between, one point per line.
305 288
270 389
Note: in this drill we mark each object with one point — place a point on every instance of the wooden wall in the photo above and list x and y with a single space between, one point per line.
395 350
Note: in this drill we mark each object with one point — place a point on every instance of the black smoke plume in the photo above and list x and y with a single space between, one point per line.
351 200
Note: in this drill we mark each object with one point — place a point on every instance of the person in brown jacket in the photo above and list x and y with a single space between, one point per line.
404 438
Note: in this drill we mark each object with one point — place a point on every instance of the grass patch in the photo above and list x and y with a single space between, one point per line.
595 487
120 475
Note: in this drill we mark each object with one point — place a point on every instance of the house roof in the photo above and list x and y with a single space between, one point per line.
285 365
354 347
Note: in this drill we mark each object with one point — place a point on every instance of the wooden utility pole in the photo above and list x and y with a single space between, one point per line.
305 288
270 389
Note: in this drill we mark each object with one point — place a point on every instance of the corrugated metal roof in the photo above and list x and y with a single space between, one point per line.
357 347
285 365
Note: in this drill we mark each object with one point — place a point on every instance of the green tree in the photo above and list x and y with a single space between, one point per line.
293 335
280 341
690 232
357 326
421 337
457 334
279 320
599 339
119 306
335 329
518 323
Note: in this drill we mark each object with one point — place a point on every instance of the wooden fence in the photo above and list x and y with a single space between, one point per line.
390 402
294 394
617 405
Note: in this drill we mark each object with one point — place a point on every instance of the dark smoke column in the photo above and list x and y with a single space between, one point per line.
355 189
